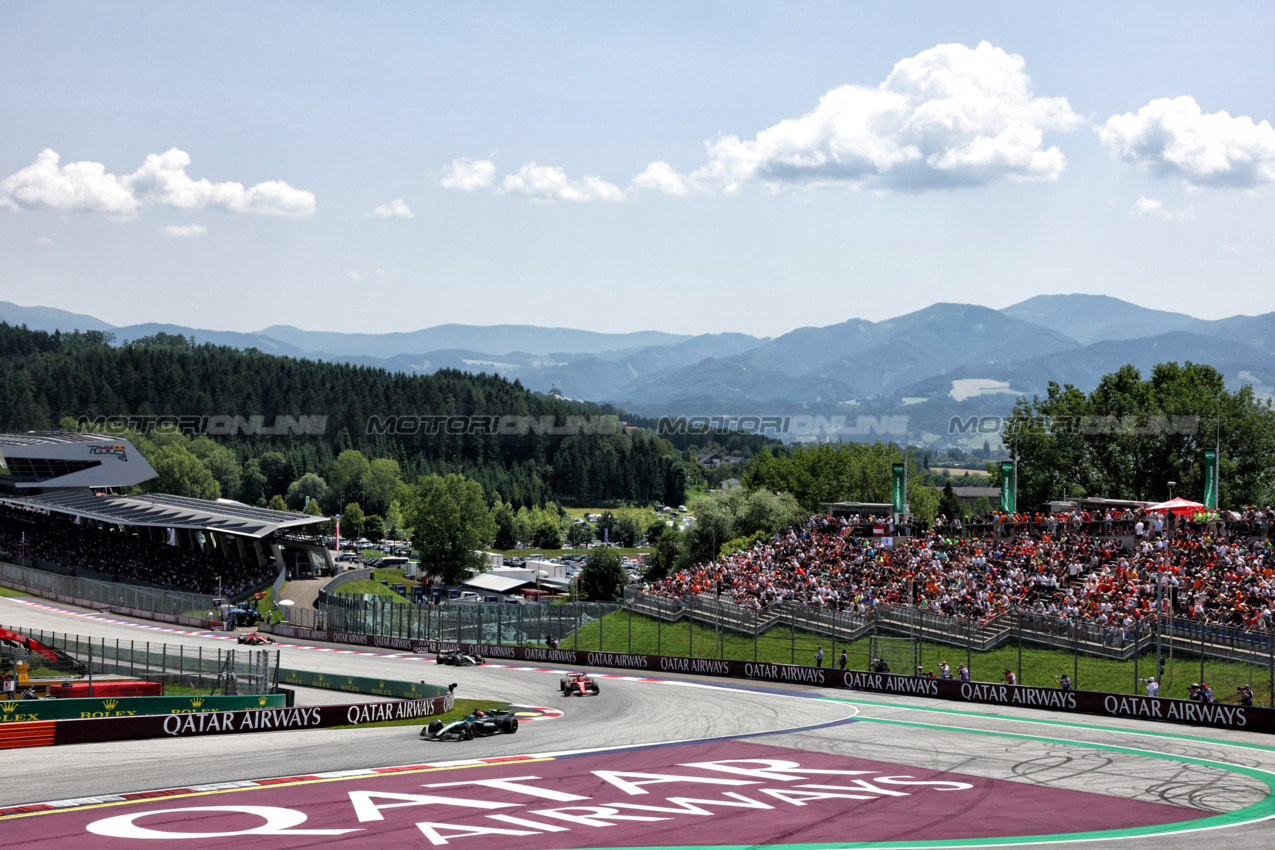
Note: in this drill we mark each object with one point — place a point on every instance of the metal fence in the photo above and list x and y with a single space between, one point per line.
93 592
1109 658
211 669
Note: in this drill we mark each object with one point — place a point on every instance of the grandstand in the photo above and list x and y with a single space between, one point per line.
61 509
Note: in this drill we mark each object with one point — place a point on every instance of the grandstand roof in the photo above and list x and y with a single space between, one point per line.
156 509
49 438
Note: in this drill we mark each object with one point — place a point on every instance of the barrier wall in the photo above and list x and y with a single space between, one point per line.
27 710
360 685
53 732
1217 715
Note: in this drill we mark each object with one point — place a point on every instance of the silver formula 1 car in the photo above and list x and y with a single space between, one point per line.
480 724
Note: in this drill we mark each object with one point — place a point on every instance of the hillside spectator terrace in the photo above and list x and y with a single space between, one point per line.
122 556
1083 568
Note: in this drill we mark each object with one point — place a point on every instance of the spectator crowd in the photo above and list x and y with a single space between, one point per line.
122 556
1102 570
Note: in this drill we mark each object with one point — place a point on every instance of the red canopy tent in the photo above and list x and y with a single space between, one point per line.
1183 507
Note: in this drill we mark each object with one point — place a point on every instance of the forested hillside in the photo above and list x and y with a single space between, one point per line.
47 378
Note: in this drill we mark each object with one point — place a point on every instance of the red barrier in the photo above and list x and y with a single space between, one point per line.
111 688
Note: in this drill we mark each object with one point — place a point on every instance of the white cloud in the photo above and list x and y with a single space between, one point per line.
185 231
469 174
75 186
1146 207
550 183
1173 137
43 240
949 116
354 276
396 208
162 179
662 177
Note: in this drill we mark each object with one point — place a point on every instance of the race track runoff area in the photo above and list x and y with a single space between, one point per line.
646 763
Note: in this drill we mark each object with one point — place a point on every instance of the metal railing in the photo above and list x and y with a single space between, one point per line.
91 592
230 671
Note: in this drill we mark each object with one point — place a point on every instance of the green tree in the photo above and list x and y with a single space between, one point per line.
221 462
1129 437
394 520
381 484
353 521
346 477
307 485
663 561
180 473
277 503
548 532
949 504
451 523
506 534
628 531
252 489
602 577
374 528
605 528
277 471
578 534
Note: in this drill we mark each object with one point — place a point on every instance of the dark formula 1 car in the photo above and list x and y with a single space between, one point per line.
579 684
456 658
256 639
480 724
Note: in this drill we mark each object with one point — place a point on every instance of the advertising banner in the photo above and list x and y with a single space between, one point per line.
360 685
1210 479
899 488
1009 486
27 710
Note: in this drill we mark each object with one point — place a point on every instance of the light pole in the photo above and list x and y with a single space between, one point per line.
1172 484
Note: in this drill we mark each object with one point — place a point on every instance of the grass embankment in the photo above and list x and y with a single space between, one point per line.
463 707
1040 666
371 588
556 553
9 591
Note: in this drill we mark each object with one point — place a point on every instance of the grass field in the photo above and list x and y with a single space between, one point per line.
1039 666
8 591
373 588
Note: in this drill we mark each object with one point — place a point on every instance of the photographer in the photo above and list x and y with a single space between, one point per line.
1246 694
1064 681
1153 687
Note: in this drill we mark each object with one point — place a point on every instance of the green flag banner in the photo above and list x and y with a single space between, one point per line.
1210 479
899 492
1009 486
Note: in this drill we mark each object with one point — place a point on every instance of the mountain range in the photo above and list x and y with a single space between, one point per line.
943 353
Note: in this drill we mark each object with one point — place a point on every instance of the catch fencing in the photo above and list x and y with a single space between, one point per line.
92 593
212 670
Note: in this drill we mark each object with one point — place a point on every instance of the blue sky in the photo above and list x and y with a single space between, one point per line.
682 167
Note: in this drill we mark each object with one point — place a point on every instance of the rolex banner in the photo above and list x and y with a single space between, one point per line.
1009 486
1210 479
900 489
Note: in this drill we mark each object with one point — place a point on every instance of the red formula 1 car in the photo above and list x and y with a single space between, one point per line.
256 639
578 684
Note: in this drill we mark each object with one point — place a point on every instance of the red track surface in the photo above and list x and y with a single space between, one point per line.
726 793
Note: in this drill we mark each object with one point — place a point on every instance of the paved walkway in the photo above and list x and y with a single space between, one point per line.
303 592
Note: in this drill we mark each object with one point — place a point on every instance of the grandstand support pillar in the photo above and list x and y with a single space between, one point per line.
276 552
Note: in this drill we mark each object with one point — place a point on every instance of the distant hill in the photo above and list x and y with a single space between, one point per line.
917 356
1095 318
492 339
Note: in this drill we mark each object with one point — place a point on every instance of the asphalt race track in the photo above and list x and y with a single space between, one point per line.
667 762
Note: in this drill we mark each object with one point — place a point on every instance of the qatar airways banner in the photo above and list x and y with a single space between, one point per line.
1218 715
251 720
